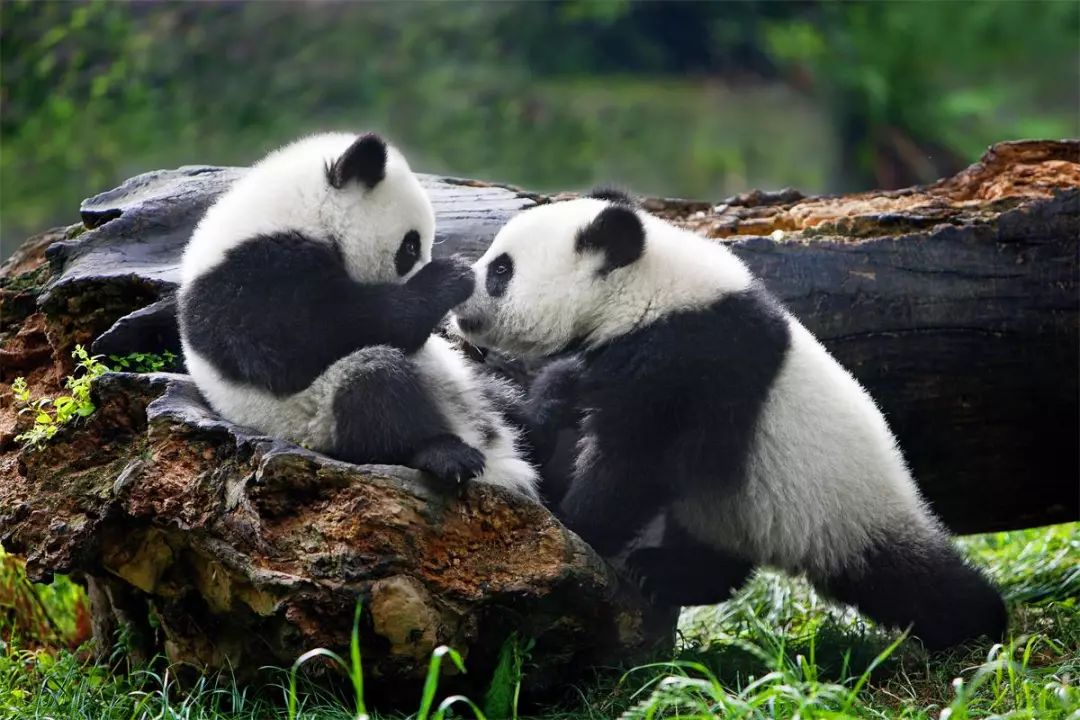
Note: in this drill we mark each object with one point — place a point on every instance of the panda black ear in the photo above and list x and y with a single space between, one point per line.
364 161
617 232
612 194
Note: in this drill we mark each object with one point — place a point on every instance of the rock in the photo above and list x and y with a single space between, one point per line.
151 329
248 550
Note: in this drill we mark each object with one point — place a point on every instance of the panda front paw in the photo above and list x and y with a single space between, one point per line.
450 460
553 394
459 282
447 281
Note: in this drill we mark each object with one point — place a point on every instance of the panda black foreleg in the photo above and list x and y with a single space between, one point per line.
611 497
924 584
282 308
549 408
684 571
546 419
384 413
412 311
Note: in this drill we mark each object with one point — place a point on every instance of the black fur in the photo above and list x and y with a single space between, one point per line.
383 413
545 418
448 458
617 232
548 408
612 194
281 308
408 254
931 588
670 407
499 272
557 471
364 161
489 432
682 571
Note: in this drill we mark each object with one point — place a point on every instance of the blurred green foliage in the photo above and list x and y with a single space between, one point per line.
903 80
692 99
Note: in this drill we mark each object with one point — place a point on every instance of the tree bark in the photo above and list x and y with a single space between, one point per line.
955 304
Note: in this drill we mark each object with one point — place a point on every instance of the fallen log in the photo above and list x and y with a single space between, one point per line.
955 304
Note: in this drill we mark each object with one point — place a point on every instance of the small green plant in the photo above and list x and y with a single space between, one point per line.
50 414
355 670
504 692
144 362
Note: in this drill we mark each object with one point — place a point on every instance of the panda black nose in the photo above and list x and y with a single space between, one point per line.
471 324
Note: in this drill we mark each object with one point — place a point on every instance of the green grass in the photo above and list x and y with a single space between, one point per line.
775 651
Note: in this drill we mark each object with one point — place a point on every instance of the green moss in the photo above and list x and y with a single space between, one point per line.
32 280
75 231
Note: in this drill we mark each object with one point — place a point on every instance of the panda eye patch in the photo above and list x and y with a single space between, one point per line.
408 253
500 270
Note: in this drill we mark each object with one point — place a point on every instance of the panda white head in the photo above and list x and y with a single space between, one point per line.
579 272
356 192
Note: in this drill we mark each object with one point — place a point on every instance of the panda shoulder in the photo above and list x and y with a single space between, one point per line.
243 213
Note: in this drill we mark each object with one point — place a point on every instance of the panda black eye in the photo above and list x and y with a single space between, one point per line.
500 271
408 254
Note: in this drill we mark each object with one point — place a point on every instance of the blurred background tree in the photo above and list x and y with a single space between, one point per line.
675 98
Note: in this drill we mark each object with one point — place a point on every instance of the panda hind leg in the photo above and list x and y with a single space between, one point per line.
684 571
925 585
383 412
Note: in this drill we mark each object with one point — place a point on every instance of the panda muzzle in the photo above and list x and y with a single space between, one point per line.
471 325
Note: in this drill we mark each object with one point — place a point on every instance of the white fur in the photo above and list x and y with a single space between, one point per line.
825 477
289 191
457 385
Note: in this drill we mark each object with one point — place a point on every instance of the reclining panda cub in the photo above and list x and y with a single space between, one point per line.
307 303
708 406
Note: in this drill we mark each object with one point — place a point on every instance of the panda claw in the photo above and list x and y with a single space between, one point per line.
450 460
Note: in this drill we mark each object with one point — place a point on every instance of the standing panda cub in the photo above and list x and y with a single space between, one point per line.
707 406
307 303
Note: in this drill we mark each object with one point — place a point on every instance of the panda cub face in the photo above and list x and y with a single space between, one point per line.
356 193
546 282
579 273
